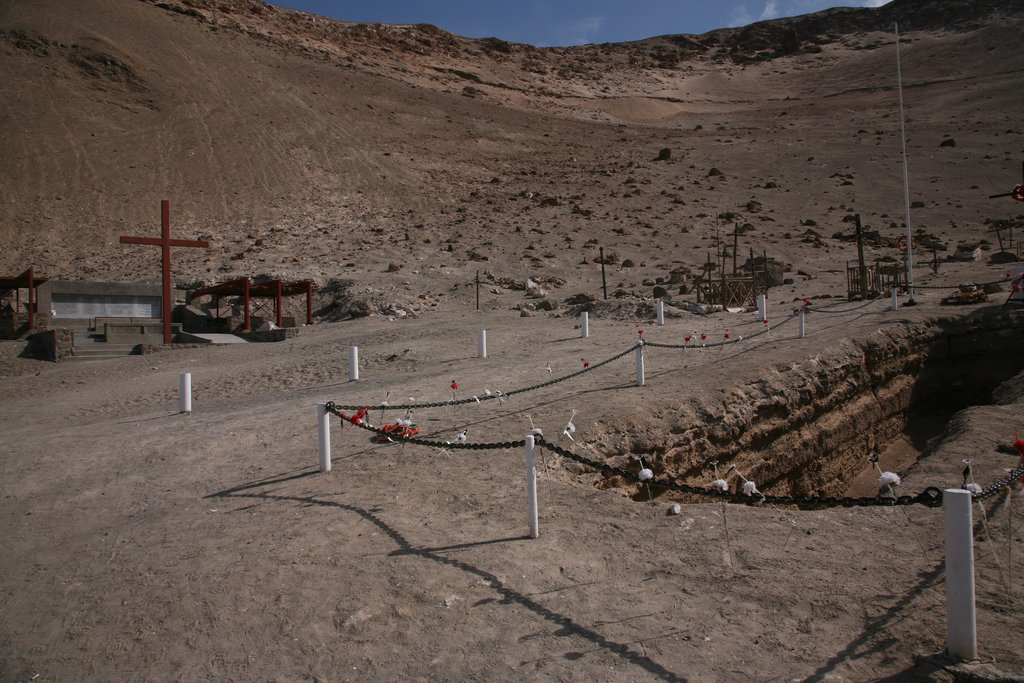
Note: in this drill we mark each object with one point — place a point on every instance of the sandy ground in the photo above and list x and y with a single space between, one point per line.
146 543
143 543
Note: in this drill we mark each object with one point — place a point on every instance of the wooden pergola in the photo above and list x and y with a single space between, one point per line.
26 280
270 289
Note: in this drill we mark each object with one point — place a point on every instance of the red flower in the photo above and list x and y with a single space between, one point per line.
1019 445
703 336
727 333
688 339
586 364
454 385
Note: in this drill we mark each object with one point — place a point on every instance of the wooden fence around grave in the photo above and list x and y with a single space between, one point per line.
877 279
734 292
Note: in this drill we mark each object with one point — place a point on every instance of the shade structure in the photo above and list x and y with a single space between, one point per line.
268 289
16 283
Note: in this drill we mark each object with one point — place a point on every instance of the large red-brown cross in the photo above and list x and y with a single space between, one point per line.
166 242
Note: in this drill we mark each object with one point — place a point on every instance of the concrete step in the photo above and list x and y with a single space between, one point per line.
91 351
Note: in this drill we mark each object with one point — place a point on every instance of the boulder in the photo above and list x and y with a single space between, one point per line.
360 308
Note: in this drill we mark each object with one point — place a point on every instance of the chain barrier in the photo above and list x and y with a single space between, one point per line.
495 446
497 395
811 309
976 284
739 338
930 497
992 489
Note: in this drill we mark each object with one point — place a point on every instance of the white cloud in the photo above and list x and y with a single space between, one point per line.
741 15
770 11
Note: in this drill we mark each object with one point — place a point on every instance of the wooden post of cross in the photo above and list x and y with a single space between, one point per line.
165 242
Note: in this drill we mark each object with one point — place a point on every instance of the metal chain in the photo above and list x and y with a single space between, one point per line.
976 284
489 397
1005 481
495 446
811 309
766 330
931 496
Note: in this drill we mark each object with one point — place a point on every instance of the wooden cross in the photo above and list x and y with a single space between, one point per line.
166 243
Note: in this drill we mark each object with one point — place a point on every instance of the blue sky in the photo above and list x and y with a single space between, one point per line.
568 22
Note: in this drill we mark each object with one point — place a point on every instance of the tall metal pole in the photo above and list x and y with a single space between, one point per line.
604 281
906 175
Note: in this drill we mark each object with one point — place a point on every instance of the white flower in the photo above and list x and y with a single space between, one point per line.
974 488
889 479
721 484
646 474
750 488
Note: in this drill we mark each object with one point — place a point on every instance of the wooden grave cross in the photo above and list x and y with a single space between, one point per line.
166 243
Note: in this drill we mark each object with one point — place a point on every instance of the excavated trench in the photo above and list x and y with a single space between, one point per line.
805 428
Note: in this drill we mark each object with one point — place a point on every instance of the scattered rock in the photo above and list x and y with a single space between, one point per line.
1003 257
581 298
360 308
664 155
394 267
948 142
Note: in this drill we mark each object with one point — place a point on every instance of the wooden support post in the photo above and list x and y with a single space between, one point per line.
31 298
863 279
246 325
309 302
277 303
736 246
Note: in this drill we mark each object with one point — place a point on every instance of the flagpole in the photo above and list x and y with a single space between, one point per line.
906 178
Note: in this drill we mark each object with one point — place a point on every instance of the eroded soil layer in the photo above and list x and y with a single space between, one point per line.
805 428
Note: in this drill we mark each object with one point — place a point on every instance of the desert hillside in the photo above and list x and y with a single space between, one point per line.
391 164
304 147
